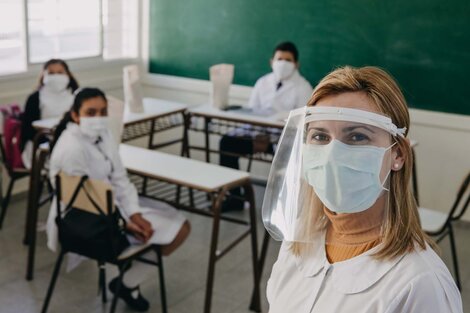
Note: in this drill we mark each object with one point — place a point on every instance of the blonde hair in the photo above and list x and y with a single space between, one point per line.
401 231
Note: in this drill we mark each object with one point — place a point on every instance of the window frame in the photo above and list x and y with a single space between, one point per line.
82 63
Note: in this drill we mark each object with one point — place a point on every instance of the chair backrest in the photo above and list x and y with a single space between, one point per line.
93 194
116 117
462 200
133 95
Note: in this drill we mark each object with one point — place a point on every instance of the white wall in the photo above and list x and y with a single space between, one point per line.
443 151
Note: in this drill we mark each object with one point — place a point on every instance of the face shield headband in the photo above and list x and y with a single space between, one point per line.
353 115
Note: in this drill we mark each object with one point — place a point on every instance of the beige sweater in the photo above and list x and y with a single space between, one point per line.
351 234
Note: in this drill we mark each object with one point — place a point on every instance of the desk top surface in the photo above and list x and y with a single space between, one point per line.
153 108
242 116
179 170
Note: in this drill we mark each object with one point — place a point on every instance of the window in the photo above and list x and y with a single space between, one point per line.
120 28
12 43
67 29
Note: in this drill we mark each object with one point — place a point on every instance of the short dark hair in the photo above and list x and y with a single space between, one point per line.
288 47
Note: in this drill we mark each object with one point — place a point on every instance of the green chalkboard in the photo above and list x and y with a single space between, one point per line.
425 44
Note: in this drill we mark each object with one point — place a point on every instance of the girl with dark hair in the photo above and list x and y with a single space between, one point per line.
52 98
84 146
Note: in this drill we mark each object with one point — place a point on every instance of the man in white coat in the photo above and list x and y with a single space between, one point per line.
276 93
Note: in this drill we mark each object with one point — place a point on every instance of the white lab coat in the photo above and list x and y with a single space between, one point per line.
416 282
77 154
54 104
51 104
294 93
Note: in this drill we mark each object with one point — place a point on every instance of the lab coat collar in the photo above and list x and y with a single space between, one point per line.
291 81
350 276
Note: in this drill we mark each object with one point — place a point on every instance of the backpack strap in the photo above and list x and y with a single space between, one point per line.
94 202
75 192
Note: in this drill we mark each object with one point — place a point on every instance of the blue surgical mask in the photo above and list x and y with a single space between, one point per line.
346 178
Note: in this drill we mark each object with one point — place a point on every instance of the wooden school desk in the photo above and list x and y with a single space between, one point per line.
211 179
158 115
219 122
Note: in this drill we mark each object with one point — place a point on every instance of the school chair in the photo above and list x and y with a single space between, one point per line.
94 196
14 174
438 224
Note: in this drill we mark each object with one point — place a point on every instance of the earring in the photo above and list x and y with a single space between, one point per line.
396 166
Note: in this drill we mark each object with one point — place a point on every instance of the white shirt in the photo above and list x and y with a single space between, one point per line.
294 93
54 104
77 154
416 282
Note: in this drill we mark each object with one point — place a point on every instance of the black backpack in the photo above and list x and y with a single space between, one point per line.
98 236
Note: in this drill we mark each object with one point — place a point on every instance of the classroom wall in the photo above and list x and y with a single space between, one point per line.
443 151
16 88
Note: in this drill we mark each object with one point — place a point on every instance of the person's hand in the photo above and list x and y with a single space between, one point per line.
140 227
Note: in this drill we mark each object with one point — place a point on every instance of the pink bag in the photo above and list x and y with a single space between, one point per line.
12 136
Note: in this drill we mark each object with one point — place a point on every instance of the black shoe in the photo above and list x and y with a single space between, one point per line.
132 297
232 204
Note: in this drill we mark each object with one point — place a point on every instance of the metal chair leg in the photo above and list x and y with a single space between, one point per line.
6 201
161 277
102 281
454 257
55 274
118 287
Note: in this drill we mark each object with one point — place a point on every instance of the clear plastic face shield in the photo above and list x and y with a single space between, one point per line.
331 163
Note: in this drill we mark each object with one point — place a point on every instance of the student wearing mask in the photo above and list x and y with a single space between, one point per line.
339 199
276 93
283 89
53 97
84 146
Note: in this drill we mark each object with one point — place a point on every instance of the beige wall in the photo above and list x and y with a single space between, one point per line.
443 151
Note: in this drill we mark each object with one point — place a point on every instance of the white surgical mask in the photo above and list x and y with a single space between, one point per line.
282 69
94 126
56 82
346 178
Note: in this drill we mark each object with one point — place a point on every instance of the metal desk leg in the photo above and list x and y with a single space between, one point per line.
216 204
152 130
185 143
262 259
185 152
255 304
33 207
207 121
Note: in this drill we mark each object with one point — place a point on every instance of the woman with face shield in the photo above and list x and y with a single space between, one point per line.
53 97
84 146
339 198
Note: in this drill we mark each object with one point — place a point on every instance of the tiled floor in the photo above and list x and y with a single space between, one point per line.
185 272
